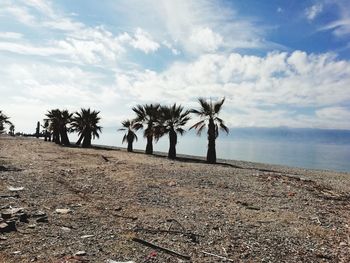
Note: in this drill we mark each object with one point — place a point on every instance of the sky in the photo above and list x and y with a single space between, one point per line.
277 62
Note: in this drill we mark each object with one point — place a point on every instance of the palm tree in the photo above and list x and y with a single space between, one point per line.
147 115
3 120
173 118
46 128
65 119
58 124
85 123
208 113
129 135
54 117
12 130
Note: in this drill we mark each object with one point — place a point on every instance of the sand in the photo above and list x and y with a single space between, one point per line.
97 200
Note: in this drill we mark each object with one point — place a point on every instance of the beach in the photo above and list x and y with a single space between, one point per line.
89 205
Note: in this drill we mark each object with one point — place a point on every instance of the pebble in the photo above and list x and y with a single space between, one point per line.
343 244
15 189
86 236
80 253
66 229
63 211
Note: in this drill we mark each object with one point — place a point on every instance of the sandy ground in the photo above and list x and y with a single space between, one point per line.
105 198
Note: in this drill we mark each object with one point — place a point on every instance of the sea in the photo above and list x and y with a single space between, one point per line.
320 149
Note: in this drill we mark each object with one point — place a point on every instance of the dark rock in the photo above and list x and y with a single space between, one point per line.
23 217
39 214
8 226
43 219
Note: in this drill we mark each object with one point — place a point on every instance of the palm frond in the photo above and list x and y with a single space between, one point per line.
200 129
224 128
218 105
196 125
124 138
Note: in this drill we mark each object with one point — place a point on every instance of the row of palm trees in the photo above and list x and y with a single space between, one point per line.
60 122
157 120
5 120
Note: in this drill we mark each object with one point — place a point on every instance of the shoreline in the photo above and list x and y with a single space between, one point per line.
234 163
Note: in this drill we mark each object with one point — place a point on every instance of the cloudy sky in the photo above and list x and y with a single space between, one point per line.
277 62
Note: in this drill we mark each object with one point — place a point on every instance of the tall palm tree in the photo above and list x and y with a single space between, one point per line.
129 135
65 119
4 120
208 114
85 123
173 118
147 115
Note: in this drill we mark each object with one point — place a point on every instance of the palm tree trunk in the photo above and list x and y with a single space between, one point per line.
45 136
211 154
130 139
149 146
56 137
129 146
172 144
87 140
80 139
64 136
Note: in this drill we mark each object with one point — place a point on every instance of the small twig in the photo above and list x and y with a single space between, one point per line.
166 250
126 217
214 255
9 196
166 231
174 220
105 158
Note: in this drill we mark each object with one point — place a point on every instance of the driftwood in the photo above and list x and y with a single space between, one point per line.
214 255
194 237
166 250
126 217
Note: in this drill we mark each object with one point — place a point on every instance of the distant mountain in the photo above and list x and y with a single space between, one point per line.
304 135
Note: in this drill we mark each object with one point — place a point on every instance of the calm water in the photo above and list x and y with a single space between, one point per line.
316 149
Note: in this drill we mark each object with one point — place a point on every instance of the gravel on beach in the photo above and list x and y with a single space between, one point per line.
68 204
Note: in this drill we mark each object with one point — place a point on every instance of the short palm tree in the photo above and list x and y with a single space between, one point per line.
147 115
12 130
58 123
54 117
172 120
85 123
46 129
4 120
129 136
208 114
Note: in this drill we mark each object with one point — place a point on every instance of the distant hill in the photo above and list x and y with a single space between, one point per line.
293 134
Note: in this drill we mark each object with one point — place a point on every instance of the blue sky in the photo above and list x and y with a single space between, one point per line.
278 63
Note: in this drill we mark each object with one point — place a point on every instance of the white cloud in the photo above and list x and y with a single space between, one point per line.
11 35
204 39
143 40
40 87
250 84
193 25
21 14
313 11
340 26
